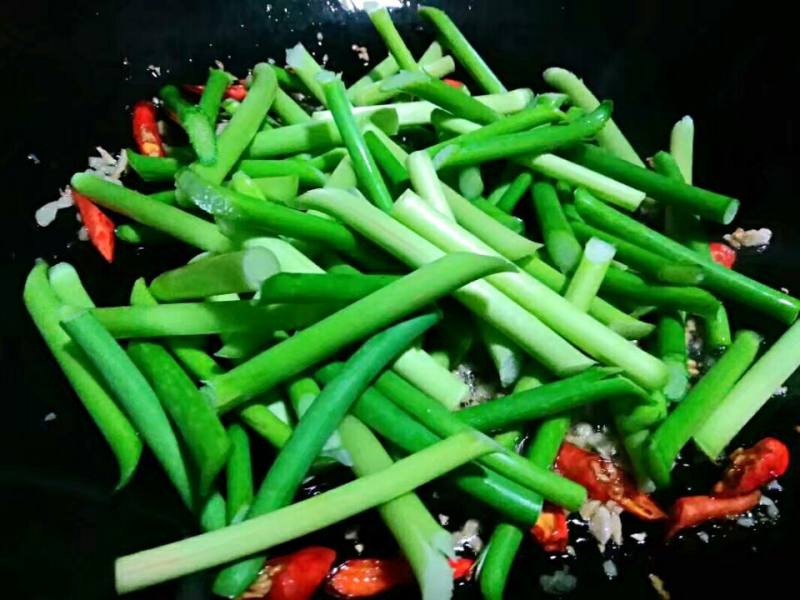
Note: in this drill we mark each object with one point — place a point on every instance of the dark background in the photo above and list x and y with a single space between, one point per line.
71 70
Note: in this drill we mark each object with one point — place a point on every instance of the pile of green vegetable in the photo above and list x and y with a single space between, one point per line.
337 245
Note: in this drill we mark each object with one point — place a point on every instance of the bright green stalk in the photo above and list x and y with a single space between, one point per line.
45 307
152 168
133 233
244 184
153 566
709 205
391 37
194 122
320 287
535 141
204 318
506 357
424 543
390 166
444 423
559 240
470 182
750 393
134 393
497 193
589 275
276 189
244 125
610 137
604 187
367 171
375 94
289 111
513 194
350 324
446 124
426 182
211 98
307 174
463 50
509 222
169 219
615 319
315 135
498 557
481 298
671 347
234 272
513 247
681 146
306 68
426 87
420 369
555 312
239 475
718 330
388 67
202 433
697 410
302 393
262 420
315 427
718 279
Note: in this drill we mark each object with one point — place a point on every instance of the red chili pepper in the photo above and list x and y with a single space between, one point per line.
753 467
605 481
367 577
453 82
722 254
235 91
145 129
99 226
551 529
294 576
690 511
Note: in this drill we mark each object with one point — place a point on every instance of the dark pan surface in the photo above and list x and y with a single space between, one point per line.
70 72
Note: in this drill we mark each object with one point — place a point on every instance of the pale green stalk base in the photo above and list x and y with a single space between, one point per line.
426 182
588 277
420 369
375 94
149 567
603 187
506 357
610 137
751 393
681 146
306 68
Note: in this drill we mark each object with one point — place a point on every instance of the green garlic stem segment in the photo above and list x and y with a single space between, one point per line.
263 421
244 124
132 391
467 56
525 143
426 182
152 168
509 464
424 543
420 369
211 98
306 68
133 233
380 18
610 137
514 192
173 221
205 318
681 146
307 174
335 288
610 190
197 553
233 272
424 86
388 67
554 311
470 182
316 135
313 430
709 205
559 240
44 308
239 475
505 355
671 347
588 277
498 557
718 279
197 423
621 322
369 177
319 341
750 393
287 110
194 122
717 330
697 410
302 393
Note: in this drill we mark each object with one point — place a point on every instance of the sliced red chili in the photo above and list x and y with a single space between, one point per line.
453 82
754 467
691 511
365 577
551 529
462 567
722 254
605 481
294 576
99 226
145 129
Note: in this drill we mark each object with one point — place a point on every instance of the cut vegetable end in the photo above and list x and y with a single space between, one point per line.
598 251
730 212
